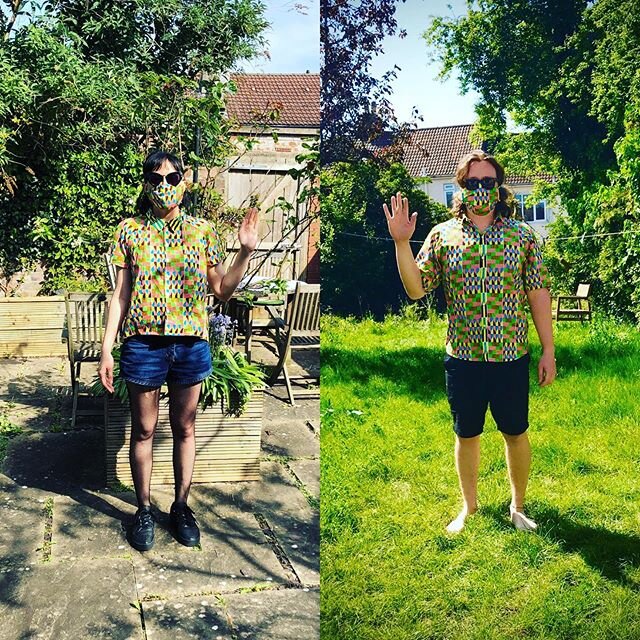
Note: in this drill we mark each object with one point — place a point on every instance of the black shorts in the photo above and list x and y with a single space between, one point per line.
473 386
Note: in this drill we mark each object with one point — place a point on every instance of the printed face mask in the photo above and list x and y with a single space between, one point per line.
165 196
480 201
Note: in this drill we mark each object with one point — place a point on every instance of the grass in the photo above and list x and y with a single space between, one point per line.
47 510
8 431
389 487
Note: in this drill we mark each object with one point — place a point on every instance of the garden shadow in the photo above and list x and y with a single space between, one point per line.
610 553
616 357
417 372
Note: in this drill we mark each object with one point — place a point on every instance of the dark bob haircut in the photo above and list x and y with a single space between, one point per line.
154 161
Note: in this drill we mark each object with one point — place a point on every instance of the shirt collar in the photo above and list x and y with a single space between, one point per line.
159 223
498 220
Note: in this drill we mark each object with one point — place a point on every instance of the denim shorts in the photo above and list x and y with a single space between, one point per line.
151 360
502 386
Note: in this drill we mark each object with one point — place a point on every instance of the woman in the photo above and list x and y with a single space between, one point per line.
491 268
166 261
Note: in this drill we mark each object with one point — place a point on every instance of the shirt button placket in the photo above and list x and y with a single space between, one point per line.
483 296
165 275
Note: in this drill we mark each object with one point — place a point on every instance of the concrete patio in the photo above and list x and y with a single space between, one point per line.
67 570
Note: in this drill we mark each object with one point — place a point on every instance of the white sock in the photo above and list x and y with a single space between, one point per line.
457 525
521 522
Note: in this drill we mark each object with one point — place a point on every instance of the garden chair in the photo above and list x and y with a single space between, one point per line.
269 261
580 305
111 271
86 319
301 331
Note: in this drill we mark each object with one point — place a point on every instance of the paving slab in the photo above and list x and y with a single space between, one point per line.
57 461
86 589
32 379
186 618
291 438
284 614
277 407
283 505
91 525
308 472
28 416
233 554
70 601
22 521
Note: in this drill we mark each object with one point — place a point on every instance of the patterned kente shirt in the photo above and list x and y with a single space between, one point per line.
168 263
486 277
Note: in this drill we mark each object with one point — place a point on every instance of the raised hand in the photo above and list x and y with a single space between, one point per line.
248 232
401 224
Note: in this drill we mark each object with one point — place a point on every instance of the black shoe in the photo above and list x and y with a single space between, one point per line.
184 524
142 531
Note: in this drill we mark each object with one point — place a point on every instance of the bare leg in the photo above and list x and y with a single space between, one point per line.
518 454
467 465
144 417
183 403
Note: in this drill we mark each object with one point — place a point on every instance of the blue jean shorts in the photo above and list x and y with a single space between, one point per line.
150 360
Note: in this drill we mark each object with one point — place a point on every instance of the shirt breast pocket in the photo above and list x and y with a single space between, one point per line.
141 255
513 267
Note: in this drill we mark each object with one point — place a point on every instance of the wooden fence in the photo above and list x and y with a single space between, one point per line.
33 326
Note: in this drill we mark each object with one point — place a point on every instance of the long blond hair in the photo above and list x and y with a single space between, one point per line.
506 204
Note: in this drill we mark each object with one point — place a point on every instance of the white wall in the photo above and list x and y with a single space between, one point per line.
436 190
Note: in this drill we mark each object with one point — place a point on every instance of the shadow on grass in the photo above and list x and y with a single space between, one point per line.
610 553
417 372
596 350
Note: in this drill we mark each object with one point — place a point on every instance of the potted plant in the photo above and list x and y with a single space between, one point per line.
228 426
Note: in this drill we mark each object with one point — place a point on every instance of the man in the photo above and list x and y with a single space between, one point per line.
490 265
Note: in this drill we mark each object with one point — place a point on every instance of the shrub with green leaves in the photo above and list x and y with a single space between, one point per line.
86 91
359 272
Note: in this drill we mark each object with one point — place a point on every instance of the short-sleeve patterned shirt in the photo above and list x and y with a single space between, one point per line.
486 276
168 263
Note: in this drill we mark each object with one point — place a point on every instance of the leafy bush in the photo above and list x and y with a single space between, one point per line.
359 272
86 91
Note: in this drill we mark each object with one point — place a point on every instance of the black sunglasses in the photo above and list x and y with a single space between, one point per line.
473 183
155 179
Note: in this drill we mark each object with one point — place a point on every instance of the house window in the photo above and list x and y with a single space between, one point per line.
449 190
536 213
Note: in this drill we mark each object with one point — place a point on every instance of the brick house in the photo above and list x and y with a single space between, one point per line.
435 152
263 169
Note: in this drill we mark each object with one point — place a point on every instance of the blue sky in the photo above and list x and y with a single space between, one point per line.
294 48
293 38
440 103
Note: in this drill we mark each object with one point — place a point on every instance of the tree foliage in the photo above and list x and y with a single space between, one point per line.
181 37
84 95
565 71
359 271
355 104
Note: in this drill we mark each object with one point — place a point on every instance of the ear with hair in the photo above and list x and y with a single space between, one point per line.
507 201
143 205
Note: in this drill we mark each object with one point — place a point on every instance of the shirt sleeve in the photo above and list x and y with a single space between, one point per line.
215 250
119 250
536 274
428 262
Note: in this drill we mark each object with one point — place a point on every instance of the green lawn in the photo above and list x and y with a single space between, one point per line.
389 487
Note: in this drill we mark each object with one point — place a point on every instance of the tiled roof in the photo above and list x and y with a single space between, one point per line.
520 179
295 95
436 151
